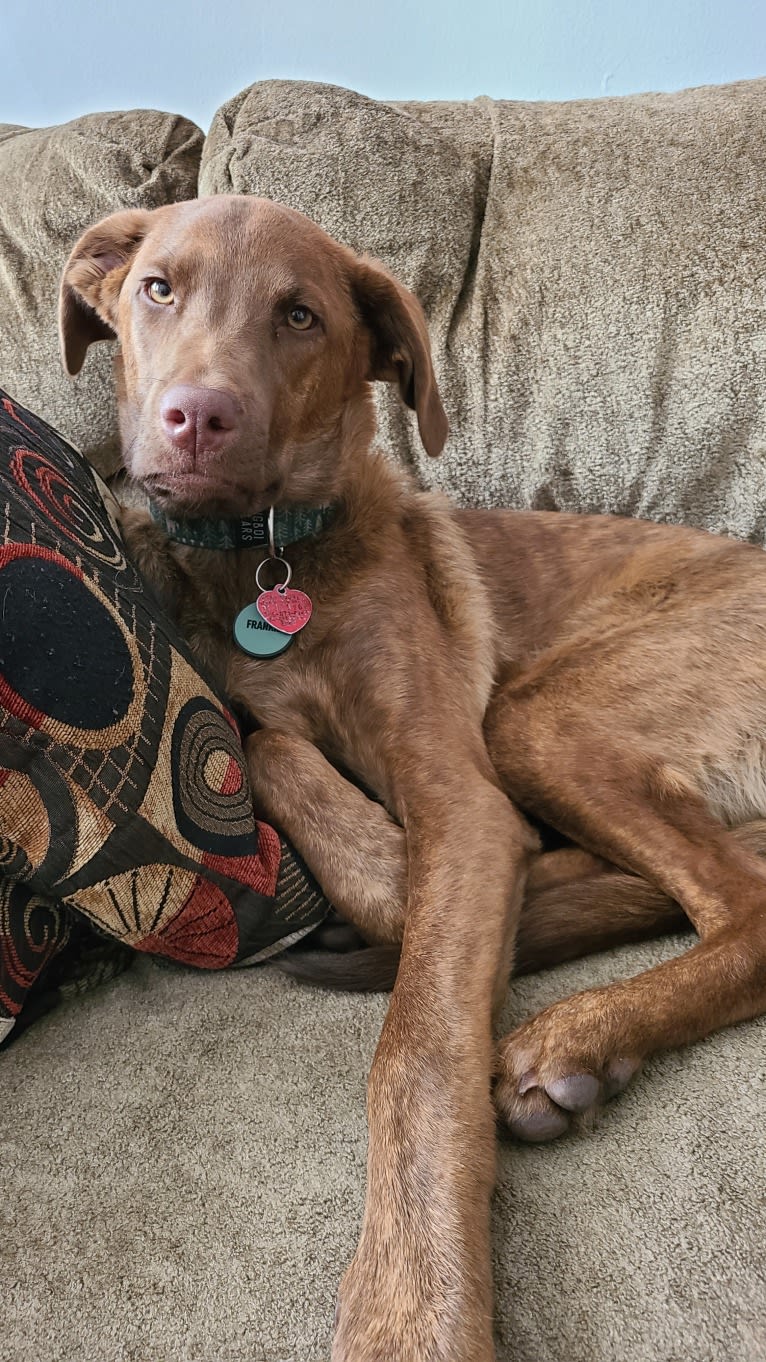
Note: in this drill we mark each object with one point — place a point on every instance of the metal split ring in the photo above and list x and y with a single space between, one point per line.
268 562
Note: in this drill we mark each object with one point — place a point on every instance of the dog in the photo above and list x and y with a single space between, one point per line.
606 676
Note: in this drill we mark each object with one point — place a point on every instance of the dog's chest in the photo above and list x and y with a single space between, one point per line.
394 651
364 681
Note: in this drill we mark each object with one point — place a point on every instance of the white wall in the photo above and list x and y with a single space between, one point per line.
61 58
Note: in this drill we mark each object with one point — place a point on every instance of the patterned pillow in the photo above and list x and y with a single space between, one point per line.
123 789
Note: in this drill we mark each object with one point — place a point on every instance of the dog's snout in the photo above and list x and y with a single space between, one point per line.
198 420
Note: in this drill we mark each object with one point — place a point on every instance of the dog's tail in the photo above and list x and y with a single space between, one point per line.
563 922
560 923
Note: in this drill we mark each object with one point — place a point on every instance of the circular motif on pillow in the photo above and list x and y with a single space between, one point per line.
37 929
65 506
210 797
222 773
14 863
91 690
38 815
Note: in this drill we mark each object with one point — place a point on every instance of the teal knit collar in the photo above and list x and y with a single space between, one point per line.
250 532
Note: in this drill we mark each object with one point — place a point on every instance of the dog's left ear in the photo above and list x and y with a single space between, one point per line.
399 348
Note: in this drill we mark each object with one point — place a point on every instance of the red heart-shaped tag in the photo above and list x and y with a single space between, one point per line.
285 610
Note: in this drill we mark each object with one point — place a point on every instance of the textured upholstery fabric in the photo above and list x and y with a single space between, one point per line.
189 1187
54 182
594 275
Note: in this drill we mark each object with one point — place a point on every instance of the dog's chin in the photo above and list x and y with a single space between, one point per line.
193 495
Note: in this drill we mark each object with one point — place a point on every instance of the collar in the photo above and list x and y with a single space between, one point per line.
250 532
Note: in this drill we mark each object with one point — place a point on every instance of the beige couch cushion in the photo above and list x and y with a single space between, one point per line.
594 275
53 183
183 1165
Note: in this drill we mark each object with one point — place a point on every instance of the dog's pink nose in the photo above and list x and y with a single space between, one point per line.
198 420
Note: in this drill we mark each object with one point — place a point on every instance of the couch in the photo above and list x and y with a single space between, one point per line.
595 280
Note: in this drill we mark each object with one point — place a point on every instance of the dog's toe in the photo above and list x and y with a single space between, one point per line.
618 1074
548 1080
539 1127
529 1113
575 1092
537 1112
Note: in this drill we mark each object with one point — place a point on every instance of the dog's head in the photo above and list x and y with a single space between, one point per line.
248 341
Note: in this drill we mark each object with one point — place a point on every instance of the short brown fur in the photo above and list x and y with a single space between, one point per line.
606 675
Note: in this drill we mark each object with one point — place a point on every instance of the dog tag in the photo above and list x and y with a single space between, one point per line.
254 635
284 609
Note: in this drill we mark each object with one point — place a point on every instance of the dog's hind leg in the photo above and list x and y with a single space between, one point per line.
575 903
579 1052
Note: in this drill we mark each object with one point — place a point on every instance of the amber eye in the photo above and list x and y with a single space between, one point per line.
301 318
159 291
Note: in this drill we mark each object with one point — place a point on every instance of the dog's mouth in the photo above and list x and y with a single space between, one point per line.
194 494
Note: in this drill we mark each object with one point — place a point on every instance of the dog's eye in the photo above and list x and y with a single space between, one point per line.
301 318
159 291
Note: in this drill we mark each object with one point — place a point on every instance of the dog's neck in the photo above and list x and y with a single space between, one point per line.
289 525
368 502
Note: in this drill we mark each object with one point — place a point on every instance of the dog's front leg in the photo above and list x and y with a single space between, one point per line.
419 1287
357 852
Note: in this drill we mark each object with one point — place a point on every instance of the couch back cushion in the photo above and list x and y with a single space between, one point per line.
54 182
594 275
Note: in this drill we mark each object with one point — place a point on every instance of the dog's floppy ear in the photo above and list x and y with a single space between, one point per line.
90 286
399 348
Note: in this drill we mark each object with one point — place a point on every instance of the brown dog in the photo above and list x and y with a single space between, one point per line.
608 675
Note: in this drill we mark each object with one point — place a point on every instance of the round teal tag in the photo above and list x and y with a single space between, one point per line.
254 636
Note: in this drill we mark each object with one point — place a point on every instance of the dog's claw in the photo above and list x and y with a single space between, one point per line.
527 1081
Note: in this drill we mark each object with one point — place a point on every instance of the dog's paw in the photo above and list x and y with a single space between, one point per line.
559 1068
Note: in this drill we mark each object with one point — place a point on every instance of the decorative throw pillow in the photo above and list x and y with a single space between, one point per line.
124 798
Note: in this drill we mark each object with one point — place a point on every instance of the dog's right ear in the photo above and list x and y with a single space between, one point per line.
91 283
